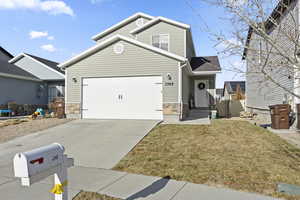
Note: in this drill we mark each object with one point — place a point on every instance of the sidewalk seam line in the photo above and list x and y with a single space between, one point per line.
7 182
178 191
118 179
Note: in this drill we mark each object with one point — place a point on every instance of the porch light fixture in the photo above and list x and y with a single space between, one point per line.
169 77
74 80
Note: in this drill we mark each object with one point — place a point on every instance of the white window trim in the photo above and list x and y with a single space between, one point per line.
50 97
162 34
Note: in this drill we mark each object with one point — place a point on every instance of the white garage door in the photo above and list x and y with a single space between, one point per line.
122 98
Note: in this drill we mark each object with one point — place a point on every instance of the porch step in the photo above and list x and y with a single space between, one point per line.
199 113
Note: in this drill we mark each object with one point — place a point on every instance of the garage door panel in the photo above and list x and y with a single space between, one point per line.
122 98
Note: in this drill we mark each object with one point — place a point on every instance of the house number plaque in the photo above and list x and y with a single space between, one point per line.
169 83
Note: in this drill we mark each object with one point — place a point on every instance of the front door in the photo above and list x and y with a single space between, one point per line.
201 93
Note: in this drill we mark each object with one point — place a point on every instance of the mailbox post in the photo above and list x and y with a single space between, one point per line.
38 164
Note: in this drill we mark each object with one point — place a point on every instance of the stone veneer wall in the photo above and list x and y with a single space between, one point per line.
171 108
262 116
73 110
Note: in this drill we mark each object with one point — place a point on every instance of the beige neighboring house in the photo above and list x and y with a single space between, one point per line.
234 90
143 67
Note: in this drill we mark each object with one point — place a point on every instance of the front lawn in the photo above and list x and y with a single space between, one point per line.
234 154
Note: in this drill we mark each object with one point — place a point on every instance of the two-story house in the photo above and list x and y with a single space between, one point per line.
144 67
261 91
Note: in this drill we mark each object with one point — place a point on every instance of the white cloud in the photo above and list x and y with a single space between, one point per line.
53 7
50 38
48 47
37 34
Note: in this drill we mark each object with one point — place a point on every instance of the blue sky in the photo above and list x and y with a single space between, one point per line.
62 29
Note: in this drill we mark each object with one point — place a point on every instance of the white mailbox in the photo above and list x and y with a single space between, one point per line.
33 166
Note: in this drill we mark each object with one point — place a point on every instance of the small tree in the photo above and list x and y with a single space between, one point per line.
266 35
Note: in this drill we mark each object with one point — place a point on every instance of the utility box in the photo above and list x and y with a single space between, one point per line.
280 116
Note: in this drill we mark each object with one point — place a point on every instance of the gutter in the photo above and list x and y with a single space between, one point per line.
19 77
180 88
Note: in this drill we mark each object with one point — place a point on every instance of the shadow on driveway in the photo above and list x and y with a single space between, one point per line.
151 189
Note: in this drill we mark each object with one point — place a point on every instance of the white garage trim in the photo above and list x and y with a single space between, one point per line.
134 97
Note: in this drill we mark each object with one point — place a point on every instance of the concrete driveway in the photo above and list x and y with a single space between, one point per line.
92 143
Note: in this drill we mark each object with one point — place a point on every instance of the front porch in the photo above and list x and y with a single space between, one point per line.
201 98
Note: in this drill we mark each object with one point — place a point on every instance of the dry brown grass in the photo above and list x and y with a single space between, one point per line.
234 154
92 196
12 122
10 129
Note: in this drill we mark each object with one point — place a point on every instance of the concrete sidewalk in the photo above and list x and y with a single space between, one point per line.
119 184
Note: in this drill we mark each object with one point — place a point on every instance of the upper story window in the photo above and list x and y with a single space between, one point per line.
161 41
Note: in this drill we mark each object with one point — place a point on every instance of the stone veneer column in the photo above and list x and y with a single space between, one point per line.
73 110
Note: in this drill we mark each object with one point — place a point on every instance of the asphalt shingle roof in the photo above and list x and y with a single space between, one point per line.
49 63
205 63
6 52
11 69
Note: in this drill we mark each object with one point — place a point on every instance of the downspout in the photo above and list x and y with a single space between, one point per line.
180 89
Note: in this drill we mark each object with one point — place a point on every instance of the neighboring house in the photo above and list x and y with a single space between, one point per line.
144 67
234 90
233 99
45 70
261 93
18 85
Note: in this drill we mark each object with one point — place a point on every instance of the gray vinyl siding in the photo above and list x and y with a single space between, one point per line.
134 61
190 51
176 34
261 92
21 91
125 30
37 69
186 92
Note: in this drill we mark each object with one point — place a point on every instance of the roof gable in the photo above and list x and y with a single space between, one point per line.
113 39
14 71
157 20
51 65
278 12
121 24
